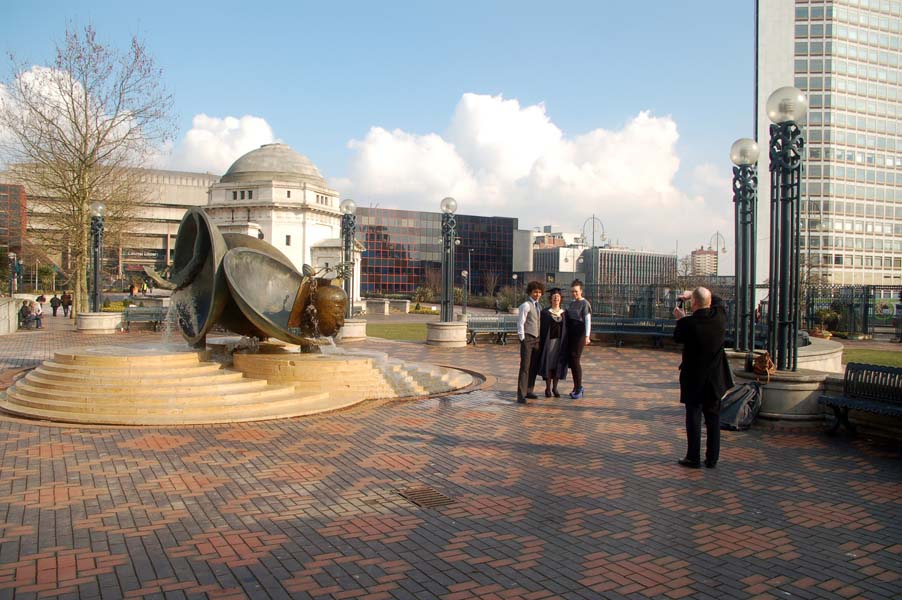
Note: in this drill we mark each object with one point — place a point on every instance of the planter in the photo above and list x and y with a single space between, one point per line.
449 335
98 322
820 333
354 330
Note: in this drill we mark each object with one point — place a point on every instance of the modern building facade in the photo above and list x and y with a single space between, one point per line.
845 56
702 262
559 265
623 266
13 217
403 250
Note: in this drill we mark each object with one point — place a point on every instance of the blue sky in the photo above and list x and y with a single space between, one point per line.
324 74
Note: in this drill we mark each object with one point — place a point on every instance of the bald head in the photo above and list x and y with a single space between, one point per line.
701 297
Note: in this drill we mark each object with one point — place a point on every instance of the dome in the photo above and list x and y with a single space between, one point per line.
273 161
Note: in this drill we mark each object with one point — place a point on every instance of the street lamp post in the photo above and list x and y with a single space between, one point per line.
12 273
98 209
466 276
785 107
719 244
448 207
744 154
348 231
469 268
516 286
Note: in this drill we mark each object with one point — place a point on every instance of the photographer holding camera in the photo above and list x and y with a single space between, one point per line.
703 378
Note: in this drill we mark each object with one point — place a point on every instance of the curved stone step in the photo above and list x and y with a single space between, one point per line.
275 408
127 355
127 389
77 381
127 370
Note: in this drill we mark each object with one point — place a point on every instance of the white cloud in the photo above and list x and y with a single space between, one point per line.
500 158
213 144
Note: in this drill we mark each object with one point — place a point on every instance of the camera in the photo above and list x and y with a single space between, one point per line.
680 302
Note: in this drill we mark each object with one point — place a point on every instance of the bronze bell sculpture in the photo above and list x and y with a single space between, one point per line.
246 286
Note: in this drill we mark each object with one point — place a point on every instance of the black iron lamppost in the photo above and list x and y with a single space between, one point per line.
744 154
785 107
348 231
98 209
448 207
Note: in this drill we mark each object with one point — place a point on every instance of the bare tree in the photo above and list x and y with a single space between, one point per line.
490 281
77 132
433 279
684 266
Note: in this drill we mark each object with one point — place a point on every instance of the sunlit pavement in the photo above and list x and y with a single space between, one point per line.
556 499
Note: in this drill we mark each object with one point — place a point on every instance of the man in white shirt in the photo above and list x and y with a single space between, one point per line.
528 332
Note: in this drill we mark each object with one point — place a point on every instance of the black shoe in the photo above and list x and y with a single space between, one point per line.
690 464
521 400
556 393
532 396
710 464
548 393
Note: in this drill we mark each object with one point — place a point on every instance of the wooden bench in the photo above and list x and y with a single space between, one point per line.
871 388
497 325
155 315
657 329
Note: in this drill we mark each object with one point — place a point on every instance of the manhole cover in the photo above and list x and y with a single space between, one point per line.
425 496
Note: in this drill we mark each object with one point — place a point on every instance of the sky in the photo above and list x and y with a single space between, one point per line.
551 113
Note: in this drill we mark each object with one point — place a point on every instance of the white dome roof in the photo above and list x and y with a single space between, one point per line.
273 162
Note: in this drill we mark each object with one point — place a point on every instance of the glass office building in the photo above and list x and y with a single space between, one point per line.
403 250
845 56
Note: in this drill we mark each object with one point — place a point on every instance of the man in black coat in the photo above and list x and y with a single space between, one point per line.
703 376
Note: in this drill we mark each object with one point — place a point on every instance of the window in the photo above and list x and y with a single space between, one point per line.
234 195
242 194
250 194
288 194
287 240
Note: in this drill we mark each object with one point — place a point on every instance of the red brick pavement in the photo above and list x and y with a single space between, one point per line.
556 499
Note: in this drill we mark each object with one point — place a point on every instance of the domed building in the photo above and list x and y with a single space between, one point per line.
275 194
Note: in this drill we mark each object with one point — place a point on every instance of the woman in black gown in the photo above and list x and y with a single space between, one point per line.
552 333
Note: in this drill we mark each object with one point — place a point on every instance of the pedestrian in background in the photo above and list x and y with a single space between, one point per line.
55 303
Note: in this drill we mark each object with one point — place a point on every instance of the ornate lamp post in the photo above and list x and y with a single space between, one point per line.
348 231
98 210
448 207
785 107
516 285
744 154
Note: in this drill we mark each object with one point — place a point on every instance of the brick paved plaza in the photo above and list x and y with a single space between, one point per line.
557 499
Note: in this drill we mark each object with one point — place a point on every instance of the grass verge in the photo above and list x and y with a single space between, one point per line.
889 358
408 332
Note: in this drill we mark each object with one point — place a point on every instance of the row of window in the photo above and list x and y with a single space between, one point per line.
242 194
835 153
841 67
860 209
851 15
850 260
840 116
829 171
833 83
851 243
324 200
816 134
856 52
847 32
848 190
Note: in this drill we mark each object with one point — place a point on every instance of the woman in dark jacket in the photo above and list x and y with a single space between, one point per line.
553 336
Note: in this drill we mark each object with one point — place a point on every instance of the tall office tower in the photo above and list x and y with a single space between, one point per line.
845 56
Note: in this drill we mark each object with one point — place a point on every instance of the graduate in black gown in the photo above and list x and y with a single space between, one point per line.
553 345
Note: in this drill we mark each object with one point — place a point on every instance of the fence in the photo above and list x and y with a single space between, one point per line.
848 308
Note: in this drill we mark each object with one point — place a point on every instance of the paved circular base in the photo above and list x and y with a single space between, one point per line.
790 396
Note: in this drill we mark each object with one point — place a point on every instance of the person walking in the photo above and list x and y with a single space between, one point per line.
66 300
553 336
897 319
579 330
703 376
55 303
528 328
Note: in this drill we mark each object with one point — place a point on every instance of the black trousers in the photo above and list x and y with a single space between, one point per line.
694 413
529 366
576 345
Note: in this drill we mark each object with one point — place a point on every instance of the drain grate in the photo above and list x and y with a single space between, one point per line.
425 496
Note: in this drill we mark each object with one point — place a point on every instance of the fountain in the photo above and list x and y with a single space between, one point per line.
283 320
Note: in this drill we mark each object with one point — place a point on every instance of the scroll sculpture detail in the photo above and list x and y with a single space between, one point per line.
246 286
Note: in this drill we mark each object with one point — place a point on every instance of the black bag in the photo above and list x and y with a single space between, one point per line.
739 406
